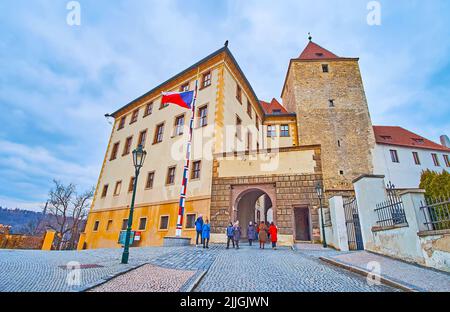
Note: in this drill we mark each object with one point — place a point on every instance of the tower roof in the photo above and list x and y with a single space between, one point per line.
313 51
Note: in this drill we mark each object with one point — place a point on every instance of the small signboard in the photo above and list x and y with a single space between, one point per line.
137 236
123 235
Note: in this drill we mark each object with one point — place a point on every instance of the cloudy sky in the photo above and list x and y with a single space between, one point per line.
58 81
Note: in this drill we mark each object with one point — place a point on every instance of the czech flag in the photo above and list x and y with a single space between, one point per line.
183 99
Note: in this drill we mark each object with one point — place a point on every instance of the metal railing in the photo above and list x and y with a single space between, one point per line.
437 213
327 217
391 211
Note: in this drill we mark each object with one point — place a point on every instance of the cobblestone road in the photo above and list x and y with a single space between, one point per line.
283 270
247 269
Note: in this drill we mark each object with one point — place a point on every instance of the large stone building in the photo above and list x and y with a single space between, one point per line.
251 160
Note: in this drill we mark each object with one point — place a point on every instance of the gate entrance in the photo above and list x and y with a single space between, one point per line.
302 224
355 240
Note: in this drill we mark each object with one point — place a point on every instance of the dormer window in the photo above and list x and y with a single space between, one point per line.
276 111
418 141
319 54
386 137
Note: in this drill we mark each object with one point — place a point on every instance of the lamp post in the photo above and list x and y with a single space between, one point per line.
319 190
138 161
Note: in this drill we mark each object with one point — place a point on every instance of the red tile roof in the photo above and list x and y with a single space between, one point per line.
401 137
269 108
313 51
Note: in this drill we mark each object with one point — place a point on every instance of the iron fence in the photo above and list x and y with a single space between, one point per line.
327 217
391 211
437 213
354 234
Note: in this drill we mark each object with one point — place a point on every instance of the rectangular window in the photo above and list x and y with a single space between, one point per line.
164 223
127 147
284 131
96 225
134 116
170 176
131 185
239 93
109 225
249 141
142 138
190 221
238 128
195 173
150 180
105 190
325 68
436 160
114 151
276 112
124 224
249 109
271 131
206 80
142 224
179 125
184 87
122 122
203 116
159 133
117 188
148 109
416 158
447 161
331 103
394 156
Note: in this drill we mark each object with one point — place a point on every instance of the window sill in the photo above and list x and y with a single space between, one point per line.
388 228
204 87
133 122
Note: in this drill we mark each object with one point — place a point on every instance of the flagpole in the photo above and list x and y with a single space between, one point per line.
186 167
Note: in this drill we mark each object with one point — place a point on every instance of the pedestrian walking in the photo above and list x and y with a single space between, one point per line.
199 228
251 233
262 235
206 233
256 230
273 235
230 235
236 234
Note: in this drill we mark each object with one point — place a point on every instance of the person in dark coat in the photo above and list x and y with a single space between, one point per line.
273 235
199 228
230 235
251 233
206 233
237 234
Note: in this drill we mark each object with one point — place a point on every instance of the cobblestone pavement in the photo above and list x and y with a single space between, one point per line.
252 270
147 278
40 271
413 276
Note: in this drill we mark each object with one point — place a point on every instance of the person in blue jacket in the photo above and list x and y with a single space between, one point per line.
199 228
206 233
230 235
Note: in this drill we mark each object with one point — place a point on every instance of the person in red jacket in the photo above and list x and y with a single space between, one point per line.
273 235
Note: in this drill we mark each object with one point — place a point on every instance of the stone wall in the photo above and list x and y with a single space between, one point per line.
291 191
8 241
344 131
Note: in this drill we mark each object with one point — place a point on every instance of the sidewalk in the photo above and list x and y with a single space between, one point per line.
410 276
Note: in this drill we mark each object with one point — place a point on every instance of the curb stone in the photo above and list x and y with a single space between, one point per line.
365 273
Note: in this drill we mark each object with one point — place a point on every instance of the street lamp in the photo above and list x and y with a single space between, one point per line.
138 161
319 190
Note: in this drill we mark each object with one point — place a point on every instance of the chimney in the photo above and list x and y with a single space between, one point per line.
445 141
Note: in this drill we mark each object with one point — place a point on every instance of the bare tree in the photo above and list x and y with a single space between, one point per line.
66 211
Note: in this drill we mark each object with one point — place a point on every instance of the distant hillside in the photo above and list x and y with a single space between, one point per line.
19 219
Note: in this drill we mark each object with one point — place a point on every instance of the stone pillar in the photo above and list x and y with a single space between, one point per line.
339 225
369 190
48 240
412 201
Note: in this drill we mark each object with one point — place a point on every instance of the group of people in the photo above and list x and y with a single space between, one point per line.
262 232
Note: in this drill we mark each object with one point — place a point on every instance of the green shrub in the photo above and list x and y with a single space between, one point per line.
436 185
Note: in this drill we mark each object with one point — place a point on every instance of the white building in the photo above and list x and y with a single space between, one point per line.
401 156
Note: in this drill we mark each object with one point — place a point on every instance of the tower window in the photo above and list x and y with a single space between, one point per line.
339 143
341 172
325 68
331 103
